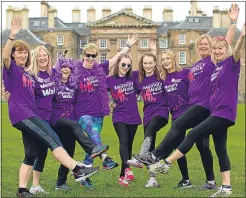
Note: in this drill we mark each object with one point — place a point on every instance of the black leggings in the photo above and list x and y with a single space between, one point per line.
216 126
36 134
126 134
191 118
69 132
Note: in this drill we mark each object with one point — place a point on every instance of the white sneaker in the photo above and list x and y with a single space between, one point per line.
158 167
152 183
37 189
135 163
222 192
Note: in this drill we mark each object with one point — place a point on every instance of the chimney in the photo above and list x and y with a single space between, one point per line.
76 15
17 12
55 12
44 9
193 8
128 9
216 17
168 14
9 16
51 18
24 18
106 11
91 14
225 20
147 12
199 12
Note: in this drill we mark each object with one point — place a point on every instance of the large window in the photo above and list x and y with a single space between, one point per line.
182 57
103 57
182 39
123 43
83 43
144 43
60 40
103 43
163 43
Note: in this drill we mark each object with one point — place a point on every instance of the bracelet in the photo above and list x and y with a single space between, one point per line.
233 22
11 39
128 45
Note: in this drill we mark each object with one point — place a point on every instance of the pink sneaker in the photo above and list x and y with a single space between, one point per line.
122 182
129 176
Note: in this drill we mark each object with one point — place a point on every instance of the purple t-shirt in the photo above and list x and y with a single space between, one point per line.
63 104
87 96
199 77
21 87
154 97
44 92
124 93
224 85
176 86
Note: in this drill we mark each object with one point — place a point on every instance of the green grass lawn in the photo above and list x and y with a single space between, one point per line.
106 181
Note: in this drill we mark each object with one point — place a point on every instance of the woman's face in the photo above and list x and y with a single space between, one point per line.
166 61
219 51
149 65
42 60
204 48
90 57
20 57
66 71
124 65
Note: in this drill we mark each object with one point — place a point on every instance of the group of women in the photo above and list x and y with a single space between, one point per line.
54 107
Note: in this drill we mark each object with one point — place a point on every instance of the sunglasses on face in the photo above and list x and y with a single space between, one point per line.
126 65
91 55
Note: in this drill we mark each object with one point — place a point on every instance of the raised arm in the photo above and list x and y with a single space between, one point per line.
233 15
236 51
15 28
131 41
152 46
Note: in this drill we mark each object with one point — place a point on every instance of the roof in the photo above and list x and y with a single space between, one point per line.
101 22
164 26
25 35
42 23
213 32
80 28
195 22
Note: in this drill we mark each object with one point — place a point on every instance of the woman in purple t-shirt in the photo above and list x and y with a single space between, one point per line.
23 112
223 107
123 88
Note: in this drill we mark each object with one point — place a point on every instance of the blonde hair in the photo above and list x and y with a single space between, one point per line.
33 69
174 63
90 46
204 36
142 74
221 42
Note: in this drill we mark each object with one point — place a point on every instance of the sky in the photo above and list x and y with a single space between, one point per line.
180 9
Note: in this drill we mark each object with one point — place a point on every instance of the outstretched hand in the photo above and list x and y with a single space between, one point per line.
15 26
233 12
152 44
131 41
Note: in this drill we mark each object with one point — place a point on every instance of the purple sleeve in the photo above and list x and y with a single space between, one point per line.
105 67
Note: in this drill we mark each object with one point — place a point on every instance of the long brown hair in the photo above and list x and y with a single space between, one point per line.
175 64
20 45
142 73
116 67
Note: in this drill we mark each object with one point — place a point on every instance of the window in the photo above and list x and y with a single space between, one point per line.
196 20
182 57
58 54
60 40
143 43
182 39
103 57
36 23
83 43
163 43
103 43
123 43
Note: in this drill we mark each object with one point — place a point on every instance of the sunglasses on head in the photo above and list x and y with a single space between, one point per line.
219 38
91 55
126 65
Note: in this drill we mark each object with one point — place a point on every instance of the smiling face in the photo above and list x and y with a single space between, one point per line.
167 62
149 65
21 57
42 60
204 48
65 71
219 50
124 66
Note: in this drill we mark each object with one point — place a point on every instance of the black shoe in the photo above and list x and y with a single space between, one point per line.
99 150
146 159
183 184
25 194
84 173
